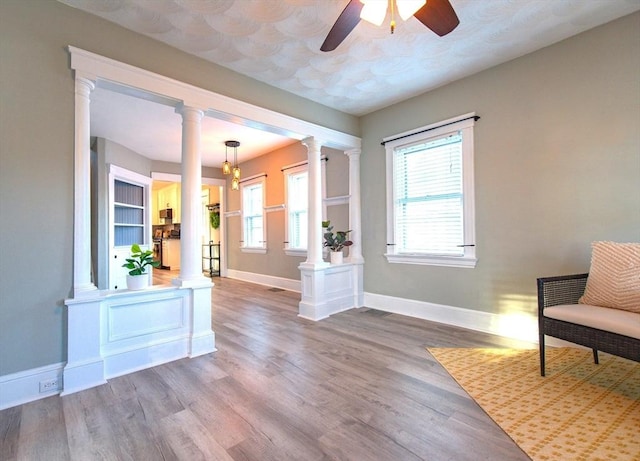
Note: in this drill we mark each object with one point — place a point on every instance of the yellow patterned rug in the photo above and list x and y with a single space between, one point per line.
579 411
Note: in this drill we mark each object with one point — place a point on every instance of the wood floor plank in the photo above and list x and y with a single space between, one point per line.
43 434
190 439
358 386
10 433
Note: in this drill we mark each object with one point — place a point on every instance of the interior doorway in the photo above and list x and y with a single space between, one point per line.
212 200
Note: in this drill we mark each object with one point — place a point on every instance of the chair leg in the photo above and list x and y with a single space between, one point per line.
541 342
595 356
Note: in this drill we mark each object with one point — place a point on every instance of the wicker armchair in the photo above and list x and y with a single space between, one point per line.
567 289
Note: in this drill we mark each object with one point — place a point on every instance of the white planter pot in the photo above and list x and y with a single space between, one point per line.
137 282
336 257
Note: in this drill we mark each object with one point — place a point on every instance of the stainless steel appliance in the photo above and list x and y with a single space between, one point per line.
157 251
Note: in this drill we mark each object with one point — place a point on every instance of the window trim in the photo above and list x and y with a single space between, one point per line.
465 124
244 248
288 172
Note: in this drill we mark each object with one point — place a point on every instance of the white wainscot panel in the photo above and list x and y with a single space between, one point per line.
139 332
338 282
129 321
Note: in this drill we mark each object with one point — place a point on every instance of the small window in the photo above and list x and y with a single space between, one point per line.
297 192
253 223
430 200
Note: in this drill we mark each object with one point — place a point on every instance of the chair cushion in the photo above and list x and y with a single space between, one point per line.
614 320
614 277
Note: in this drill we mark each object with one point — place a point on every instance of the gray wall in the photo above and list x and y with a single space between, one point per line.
557 166
557 163
36 157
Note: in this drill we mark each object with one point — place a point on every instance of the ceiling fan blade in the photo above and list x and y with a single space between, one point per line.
345 23
438 15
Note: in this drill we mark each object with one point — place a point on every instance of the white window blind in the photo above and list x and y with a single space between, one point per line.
297 204
253 215
428 197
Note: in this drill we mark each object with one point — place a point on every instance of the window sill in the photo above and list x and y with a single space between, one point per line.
295 252
262 251
432 260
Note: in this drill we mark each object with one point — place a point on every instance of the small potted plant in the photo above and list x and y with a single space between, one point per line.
335 242
138 277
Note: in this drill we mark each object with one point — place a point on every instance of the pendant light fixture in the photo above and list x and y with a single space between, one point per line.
235 181
226 165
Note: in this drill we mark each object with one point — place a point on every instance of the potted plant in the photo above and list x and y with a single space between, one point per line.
335 242
138 277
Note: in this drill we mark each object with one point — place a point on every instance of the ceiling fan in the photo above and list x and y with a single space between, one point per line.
437 15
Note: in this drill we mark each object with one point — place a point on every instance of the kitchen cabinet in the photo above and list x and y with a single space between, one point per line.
155 216
171 253
169 197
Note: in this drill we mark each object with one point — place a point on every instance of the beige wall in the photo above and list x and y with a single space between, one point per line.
276 262
557 166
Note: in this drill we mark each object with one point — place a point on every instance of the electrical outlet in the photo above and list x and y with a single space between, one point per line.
49 385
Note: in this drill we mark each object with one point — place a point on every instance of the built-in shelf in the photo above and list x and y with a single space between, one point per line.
211 258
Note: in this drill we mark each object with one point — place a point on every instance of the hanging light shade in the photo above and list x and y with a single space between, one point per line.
226 165
235 182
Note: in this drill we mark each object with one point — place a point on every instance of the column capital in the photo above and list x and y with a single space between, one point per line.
86 77
189 111
84 85
353 153
312 144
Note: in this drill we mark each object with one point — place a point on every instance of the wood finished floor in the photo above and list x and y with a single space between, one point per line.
357 386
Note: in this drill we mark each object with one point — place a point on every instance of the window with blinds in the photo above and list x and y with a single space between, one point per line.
430 196
297 192
253 215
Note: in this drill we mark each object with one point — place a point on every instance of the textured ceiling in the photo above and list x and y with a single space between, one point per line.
278 41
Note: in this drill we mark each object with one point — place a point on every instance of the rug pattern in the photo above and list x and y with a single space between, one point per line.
579 411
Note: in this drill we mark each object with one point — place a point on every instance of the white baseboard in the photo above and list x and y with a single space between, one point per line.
517 326
24 386
262 279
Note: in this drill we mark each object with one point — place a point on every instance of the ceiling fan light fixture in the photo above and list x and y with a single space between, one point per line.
437 15
374 11
407 8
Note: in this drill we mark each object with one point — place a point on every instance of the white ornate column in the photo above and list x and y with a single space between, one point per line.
355 218
325 289
201 336
191 185
82 282
355 224
314 245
